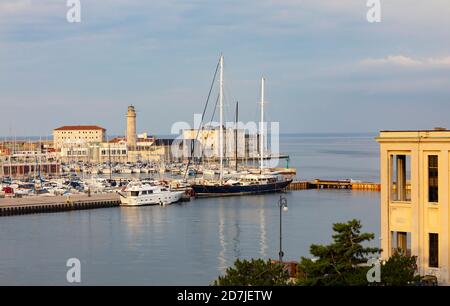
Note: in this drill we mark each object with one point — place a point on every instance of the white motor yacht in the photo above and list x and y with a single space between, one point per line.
137 194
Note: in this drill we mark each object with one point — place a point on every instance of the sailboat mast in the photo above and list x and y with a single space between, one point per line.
236 136
261 127
221 118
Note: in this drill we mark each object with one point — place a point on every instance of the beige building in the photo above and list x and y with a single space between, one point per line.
79 134
415 199
210 143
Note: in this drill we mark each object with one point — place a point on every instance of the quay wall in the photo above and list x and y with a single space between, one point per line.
32 205
318 184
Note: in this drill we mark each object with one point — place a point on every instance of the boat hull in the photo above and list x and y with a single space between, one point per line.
154 199
232 190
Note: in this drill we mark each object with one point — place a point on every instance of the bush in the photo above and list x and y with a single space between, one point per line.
255 272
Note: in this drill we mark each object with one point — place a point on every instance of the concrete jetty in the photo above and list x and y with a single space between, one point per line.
333 184
32 205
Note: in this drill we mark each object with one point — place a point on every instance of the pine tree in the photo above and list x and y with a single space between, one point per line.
338 264
255 272
399 270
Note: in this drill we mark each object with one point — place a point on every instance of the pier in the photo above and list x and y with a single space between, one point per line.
32 205
333 184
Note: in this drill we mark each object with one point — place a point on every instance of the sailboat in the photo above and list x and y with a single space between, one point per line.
243 184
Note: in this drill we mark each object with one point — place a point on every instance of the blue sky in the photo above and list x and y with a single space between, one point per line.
327 68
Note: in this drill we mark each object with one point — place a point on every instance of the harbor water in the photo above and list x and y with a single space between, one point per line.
192 243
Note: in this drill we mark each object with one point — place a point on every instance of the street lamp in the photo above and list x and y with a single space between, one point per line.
282 203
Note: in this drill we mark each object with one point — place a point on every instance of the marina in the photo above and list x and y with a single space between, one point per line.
12 205
147 238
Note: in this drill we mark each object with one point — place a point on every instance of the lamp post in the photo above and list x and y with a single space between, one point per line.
282 203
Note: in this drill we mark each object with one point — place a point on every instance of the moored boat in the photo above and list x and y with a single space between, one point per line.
244 184
137 194
249 184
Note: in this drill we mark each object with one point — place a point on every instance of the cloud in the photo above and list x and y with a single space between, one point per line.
12 7
405 61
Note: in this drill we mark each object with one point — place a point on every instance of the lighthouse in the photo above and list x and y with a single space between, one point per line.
131 127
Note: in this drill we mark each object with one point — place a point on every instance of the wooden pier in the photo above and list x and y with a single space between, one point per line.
333 184
32 205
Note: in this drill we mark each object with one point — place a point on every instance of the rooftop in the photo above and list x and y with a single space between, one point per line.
79 127
416 131
438 134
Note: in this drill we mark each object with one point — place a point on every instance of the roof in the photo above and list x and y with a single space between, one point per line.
117 139
436 135
150 139
416 131
79 127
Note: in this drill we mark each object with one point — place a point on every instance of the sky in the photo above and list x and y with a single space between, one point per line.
327 68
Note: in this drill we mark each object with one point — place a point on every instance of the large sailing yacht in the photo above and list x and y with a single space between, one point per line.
245 183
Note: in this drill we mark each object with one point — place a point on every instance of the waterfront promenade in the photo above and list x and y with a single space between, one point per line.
30 205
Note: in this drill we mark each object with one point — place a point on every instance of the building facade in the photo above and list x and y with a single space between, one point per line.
415 216
207 143
79 134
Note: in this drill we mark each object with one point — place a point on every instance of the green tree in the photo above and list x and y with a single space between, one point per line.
338 264
399 270
255 272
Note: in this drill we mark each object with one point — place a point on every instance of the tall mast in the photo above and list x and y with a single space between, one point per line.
261 127
236 136
221 118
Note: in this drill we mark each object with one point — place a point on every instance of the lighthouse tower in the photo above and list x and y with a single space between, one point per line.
131 128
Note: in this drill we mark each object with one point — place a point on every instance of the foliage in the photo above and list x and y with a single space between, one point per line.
337 264
255 272
399 270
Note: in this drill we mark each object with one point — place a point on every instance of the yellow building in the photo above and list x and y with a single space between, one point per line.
415 198
78 134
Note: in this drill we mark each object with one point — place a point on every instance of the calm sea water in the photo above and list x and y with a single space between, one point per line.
192 243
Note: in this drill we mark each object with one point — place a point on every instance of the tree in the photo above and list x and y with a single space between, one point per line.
399 270
255 272
338 264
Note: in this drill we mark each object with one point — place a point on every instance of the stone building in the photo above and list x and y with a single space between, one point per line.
78 134
415 199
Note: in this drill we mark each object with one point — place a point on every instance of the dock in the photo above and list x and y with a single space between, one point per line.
333 184
33 205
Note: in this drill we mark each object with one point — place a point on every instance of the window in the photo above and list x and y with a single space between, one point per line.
433 260
400 178
401 243
433 190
